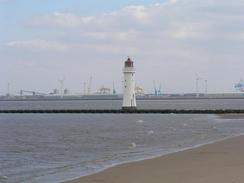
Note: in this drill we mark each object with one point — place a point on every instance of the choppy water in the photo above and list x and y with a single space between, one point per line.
116 104
37 148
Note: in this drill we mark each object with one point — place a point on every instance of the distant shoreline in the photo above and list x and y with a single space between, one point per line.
115 97
232 116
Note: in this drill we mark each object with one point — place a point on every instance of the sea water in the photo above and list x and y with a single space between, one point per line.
53 148
37 148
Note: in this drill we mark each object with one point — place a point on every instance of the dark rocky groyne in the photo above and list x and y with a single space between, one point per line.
120 111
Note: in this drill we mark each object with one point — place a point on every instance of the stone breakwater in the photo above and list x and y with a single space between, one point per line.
121 111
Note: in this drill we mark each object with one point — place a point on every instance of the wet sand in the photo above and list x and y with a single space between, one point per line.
221 162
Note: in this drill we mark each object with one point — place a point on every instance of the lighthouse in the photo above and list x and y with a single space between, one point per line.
129 99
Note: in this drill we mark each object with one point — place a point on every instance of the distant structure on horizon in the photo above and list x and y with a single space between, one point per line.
240 86
129 98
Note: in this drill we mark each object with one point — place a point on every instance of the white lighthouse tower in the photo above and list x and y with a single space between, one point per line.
129 99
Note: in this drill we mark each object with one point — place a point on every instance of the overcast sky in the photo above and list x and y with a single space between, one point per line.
171 42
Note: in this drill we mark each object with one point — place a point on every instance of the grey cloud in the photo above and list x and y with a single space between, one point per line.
171 41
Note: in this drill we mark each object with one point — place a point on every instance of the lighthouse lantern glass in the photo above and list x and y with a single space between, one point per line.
129 63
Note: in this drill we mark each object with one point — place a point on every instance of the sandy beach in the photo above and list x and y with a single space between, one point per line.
221 162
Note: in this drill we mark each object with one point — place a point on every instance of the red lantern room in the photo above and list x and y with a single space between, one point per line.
129 63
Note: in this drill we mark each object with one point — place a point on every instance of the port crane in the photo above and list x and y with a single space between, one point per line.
157 90
240 86
114 90
88 87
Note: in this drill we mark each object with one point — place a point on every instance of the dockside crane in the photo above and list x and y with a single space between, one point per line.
240 86
89 86
157 89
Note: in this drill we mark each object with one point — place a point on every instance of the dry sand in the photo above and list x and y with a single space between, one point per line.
221 162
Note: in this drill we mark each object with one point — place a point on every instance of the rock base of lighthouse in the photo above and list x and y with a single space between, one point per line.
129 108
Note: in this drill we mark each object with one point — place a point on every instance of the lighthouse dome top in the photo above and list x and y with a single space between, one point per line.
129 63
